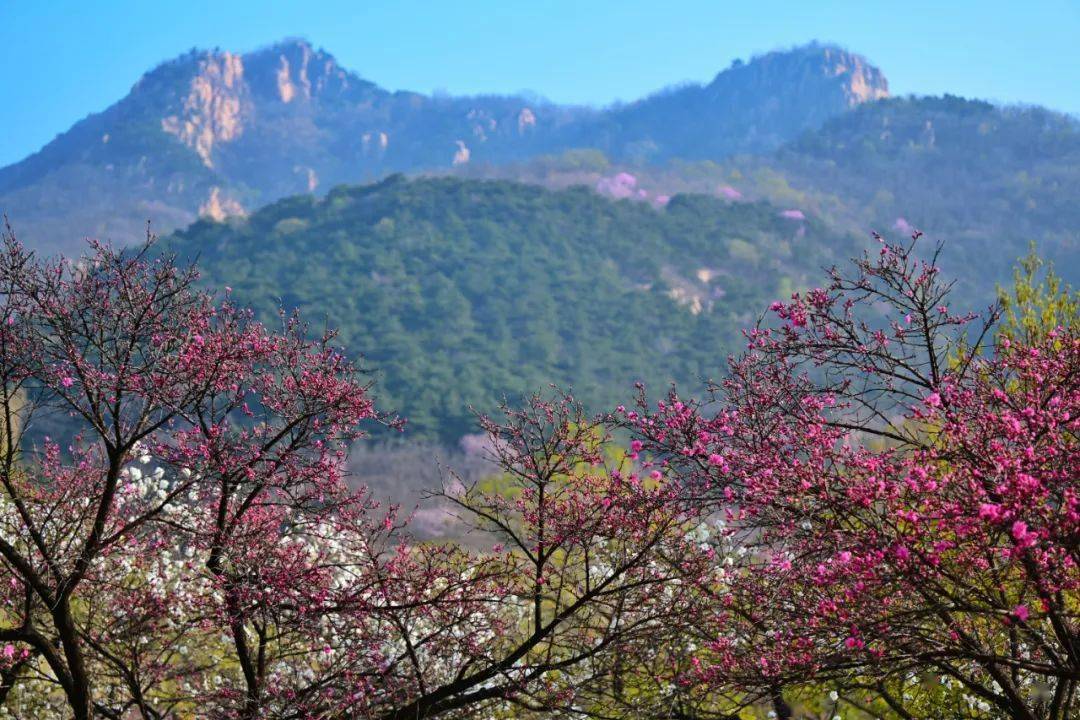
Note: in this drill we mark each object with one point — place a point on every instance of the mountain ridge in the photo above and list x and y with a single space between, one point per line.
216 133
984 179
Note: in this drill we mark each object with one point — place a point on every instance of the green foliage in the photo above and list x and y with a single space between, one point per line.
1038 302
460 292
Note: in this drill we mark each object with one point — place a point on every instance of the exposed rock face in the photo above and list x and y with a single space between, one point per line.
526 120
218 207
284 81
375 142
462 154
211 112
212 132
861 82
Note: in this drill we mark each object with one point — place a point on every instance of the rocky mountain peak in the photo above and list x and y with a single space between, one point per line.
294 71
815 68
862 81
208 99
215 132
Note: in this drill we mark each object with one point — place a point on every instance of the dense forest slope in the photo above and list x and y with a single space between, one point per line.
217 133
458 292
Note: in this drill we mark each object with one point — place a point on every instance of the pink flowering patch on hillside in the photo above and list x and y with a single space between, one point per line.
619 186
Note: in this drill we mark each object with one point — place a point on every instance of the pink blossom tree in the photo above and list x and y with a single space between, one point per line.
193 549
248 426
906 496
601 570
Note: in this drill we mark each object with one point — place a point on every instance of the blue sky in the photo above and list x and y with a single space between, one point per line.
61 60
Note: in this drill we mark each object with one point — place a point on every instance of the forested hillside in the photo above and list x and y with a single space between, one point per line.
458 292
986 179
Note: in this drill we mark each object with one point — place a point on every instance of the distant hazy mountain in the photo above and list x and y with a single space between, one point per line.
751 107
216 134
